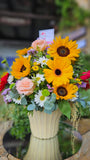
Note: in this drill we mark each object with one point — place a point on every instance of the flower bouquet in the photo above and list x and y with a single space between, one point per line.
45 79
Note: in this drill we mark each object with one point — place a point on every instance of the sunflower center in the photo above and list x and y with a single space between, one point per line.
42 98
57 72
61 91
63 51
23 68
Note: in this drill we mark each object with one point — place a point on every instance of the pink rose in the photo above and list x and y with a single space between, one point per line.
25 86
42 44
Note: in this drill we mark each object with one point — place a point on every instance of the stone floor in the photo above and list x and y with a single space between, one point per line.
83 154
4 127
84 125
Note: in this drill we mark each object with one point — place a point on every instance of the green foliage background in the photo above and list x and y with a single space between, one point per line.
21 126
71 15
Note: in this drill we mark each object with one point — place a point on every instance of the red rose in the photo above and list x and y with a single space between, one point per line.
86 75
87 84
3 81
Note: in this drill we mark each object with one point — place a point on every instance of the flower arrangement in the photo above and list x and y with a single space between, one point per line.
45 76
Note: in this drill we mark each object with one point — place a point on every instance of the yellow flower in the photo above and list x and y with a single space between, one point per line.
35 68
23 51
60 71
65 91
64 48
35 63
21 67
78 81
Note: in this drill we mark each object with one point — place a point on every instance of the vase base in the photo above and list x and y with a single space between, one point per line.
63 138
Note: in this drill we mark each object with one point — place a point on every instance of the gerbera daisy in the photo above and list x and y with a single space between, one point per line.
60 71
40 99
39 78
42 61
8 98
64 48
18 100
10 79
65 91
21 67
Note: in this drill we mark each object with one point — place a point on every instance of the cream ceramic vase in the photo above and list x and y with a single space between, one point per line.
44 125
39 149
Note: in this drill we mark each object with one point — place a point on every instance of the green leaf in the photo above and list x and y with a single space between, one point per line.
31 106
53 98
47 56
83 103
88 103
12 85
5 62
74 81
49 106
40 71
48 111
14 95
23 101
31 96
65 108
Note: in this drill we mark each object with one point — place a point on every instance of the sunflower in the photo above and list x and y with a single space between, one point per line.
60 71
64 48
65 91
21 67
23 51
